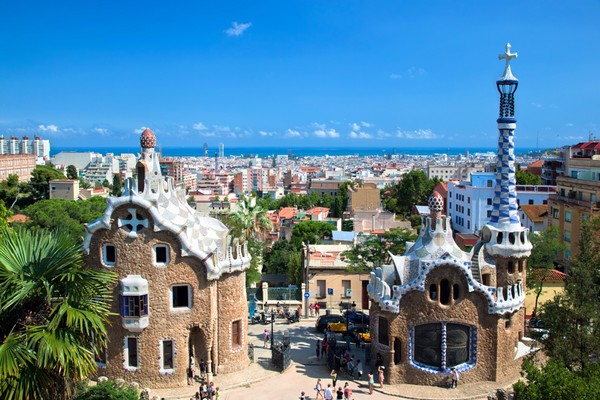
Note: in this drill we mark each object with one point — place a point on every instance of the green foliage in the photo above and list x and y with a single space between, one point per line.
527 178
65 214
117 185
4 214
250 219
373 251
72 172
108 391
555 381
414 188
572 318
546 246
295 270
277 258
348 225
255 248
39 184
52 315
312 232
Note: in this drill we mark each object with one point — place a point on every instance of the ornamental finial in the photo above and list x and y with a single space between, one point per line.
507 56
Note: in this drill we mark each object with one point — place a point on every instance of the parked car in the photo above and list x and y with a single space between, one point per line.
357 317
337 327
323 320
355 331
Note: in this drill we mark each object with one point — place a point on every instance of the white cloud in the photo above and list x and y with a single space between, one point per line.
264 133
570 124
360 135
207 134
425 134
326 133
48 128
572 137
238 29
415 71
292 133
199 127
537 105
101 131
221 128
354 126
383 134
366 124
395 76
138 131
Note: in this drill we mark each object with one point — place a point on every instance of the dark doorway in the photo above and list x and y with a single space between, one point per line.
365 296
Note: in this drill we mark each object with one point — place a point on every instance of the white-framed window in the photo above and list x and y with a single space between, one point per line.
346 288
131 353
161 255
167 356
109 254
181 297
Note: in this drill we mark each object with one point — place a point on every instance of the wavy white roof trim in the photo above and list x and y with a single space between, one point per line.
435 248
202 237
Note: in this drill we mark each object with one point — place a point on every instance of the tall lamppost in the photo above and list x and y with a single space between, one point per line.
272 322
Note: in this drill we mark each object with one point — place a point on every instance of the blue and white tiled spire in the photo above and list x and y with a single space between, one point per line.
509 237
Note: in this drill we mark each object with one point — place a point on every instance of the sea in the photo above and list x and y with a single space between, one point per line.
295 151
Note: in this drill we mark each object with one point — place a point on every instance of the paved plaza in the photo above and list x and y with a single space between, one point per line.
261 381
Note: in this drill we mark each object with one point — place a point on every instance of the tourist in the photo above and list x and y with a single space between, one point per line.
311 309
211 391
339 393
328 392
371 382
333 377
265 337
317 308
302 396
192 371
203 366
454 378
381 377
347 391
318 348
358 370
319 389
324 347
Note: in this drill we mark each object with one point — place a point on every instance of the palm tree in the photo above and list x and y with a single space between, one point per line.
252 219
52 315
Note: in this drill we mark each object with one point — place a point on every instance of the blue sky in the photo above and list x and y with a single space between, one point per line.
297 73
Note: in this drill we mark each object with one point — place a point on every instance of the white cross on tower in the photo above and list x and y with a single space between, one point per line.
507 56
132 224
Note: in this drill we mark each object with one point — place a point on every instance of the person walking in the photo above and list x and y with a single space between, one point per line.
319 389
311 309
324 347
381 377
347 391
265 337
455 378
371 382
318 349
339 393
317 308
328 392
333 377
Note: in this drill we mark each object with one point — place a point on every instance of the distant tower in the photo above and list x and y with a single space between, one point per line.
221 150
507 240
205 150
216 163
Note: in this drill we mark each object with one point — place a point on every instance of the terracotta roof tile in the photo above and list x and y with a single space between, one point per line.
535 212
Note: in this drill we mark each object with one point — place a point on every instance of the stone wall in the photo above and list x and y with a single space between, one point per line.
495 343
135 256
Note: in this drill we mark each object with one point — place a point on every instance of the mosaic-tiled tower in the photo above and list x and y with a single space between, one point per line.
506 238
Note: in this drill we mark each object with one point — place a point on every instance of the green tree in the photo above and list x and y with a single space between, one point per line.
40 180
414 188
312 232
277 258
108 390
546 246
72 172
252 219
555 381
4 214
572 318
527 178
52 315
295 270
372 251
117 185
65 214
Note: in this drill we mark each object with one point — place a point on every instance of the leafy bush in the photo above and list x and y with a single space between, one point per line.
108 391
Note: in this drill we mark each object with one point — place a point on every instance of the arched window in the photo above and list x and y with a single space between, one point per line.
432 341
397 351
383 336
433 291
511 267
455 291
141 176
445 292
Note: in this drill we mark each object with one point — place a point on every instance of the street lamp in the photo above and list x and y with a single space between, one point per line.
272 321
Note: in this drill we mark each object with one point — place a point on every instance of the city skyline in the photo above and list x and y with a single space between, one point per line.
296 74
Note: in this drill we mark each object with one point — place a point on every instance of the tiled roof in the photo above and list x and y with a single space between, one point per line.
288 212
536 164
535 212
553 275
588 145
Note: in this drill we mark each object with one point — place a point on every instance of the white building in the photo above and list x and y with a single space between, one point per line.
470 204
38 146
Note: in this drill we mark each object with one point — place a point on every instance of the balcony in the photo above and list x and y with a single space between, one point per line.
572 201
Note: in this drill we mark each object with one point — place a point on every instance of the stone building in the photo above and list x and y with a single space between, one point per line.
438 307
181 288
